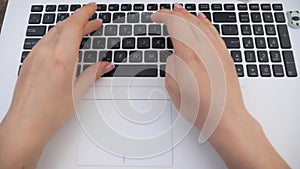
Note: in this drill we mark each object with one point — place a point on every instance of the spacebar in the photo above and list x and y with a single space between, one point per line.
133 71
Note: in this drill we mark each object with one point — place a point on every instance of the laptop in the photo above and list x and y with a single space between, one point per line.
126 120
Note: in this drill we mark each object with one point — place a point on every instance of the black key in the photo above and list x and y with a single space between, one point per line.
252 71
250 56
105 56
145 17
256 17
78 70
239 70
80 56
277 7
138 7
208 15
229 29
288 56
133 71
236 56
278 70
154 30
162 71
50 27
75 7
126 7
229 7
164 54
36 30
35 18
119 17
106 17
133 17
158 43
265 7
275 56
143 43
232 43
204 7
254 7
140 30
279 17
99 43
242 7
37 8
165 6
289 63
246 30
268 17
226 17
265 70
217 27
194 13
63 8
152 7
85 43
151 56
120 56
49 18
101 7
248 43
216 7
50 8
93 17
290 69
135 56
125 30
284 37
113 43
113 7
190 7
24 55
260 43
258 30
244 17
90 57
262 56
270 29
30 43
169 43
128 43
273 43
62 16
98 32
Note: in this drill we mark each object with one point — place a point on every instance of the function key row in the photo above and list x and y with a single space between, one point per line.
155 7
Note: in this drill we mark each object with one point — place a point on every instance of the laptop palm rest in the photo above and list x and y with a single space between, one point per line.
125 133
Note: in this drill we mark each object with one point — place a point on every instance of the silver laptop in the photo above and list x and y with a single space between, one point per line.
127 119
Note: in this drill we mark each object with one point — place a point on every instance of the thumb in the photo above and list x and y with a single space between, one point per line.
88 77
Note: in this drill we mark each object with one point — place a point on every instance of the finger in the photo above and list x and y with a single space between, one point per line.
159 16
92 26
87 78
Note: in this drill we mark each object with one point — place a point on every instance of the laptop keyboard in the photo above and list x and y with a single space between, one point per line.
256 35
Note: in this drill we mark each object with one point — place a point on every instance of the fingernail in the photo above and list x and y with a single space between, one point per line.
202 15
92 3
109 68
178 6
99 20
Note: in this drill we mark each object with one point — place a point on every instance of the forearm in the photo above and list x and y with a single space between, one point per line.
242 143
20 144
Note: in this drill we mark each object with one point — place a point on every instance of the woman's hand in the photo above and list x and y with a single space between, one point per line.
47 89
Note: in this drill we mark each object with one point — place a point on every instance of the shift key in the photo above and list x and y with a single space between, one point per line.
224 17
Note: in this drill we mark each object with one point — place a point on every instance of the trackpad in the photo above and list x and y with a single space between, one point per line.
125 133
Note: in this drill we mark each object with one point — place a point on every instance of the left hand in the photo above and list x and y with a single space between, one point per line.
47 89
